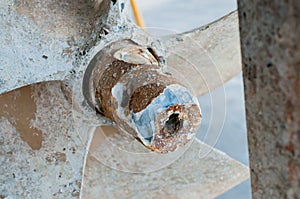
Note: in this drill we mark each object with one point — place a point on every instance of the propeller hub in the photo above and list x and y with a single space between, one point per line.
129 86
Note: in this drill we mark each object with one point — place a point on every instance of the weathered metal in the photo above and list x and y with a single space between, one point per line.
43 158
60 37
41 41
270 35
188 177
77 161
45 155
213 50
19 108
128 85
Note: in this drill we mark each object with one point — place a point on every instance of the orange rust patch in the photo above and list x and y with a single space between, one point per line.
164 141
144 95
109 78
175 108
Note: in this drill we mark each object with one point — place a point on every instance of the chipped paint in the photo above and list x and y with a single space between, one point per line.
19 108
53 171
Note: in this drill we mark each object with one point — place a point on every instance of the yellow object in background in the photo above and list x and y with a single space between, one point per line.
138 18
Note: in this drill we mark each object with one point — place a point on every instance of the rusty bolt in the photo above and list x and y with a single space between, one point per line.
127 85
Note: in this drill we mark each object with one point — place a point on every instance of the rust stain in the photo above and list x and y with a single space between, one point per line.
144 95
293 164
19 108
56 157
291 168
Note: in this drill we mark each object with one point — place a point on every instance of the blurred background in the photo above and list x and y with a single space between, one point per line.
181 16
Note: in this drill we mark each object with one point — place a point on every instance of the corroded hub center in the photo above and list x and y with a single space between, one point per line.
128 86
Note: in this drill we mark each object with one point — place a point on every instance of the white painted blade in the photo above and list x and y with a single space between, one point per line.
208 56
41 151
40 39
28 54
188 177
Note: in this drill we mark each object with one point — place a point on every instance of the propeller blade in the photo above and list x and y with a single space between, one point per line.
205 177
212 51
39 145
40 40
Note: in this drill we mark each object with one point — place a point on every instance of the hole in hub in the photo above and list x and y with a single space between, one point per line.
172 125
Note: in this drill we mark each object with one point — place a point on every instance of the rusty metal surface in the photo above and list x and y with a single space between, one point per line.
129 86
270 33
